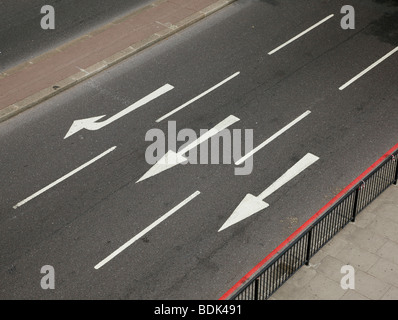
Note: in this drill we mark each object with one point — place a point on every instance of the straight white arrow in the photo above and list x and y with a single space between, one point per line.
252 204
171 158
93 124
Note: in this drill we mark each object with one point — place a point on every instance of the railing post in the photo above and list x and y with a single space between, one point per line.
354 212
256 289
307 258
396 169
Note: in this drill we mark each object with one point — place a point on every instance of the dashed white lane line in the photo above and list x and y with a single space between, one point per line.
198 97
301 34
272 138
146 230
368 69
63 178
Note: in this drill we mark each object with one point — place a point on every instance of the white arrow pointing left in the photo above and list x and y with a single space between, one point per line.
92 124
252 204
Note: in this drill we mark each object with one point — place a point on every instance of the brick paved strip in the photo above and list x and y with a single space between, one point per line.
35 81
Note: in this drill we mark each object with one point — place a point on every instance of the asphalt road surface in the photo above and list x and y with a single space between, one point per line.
100 210
22 38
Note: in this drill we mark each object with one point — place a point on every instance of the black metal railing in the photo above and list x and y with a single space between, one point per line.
279 269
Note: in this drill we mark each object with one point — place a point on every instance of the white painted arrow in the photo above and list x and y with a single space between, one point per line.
252 204
92 124
171 158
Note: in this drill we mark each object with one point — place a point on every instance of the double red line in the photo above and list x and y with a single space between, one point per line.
306 224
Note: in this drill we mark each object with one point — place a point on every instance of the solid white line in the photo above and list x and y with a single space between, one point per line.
276 135
198 97
301 34
146 230
368 69
63 178
294 171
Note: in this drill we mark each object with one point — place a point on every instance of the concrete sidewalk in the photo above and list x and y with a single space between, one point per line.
41 78
370 245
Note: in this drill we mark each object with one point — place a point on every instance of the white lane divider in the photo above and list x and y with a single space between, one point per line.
272 138
146 230
93 124
252 204
198 97
171 158
301 34
368 69
63 178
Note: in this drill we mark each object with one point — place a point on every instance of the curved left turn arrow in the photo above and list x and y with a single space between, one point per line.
92 124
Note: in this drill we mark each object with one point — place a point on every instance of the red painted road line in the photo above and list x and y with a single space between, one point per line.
306 224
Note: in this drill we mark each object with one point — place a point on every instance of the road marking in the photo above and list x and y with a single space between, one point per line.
92 124
63 178
198 97
252 204
171 158
368 69
82 70
301 34
272 138
146 230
